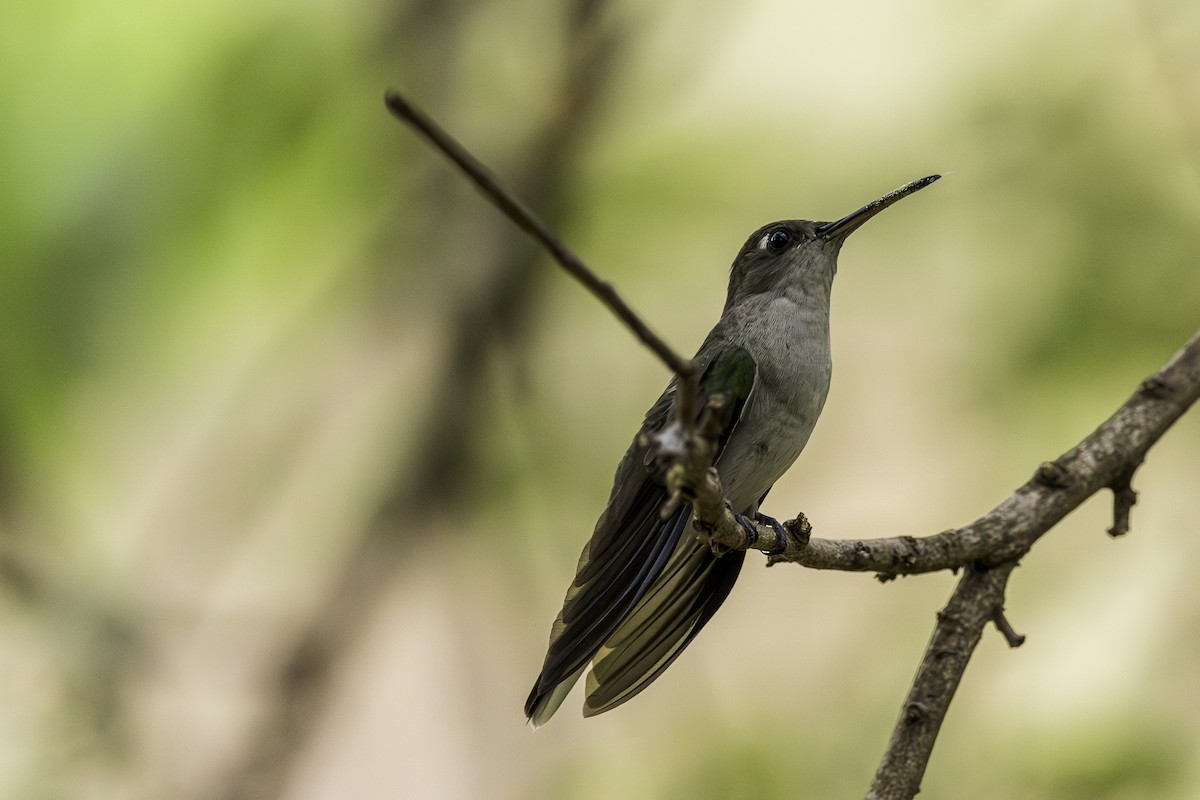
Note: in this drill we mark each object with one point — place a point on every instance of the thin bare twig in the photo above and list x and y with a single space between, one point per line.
526 220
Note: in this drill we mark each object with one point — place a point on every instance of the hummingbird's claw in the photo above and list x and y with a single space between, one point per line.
748 527
780 532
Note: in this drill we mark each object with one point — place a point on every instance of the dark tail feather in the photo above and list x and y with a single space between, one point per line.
597 604
690 590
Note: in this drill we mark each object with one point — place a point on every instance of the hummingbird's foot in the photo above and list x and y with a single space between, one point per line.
748 527
780 532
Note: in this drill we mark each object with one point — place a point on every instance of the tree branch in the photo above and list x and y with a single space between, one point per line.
1106 458
988 549
977 601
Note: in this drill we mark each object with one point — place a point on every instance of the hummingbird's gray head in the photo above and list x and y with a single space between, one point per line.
790 256
798 257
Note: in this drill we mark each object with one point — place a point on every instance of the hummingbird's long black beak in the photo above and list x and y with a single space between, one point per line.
852 222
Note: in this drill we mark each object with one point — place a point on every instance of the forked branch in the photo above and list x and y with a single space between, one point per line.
987 550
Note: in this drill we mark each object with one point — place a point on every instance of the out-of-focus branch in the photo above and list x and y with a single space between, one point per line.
439 464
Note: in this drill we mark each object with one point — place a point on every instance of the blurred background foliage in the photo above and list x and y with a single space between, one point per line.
299 440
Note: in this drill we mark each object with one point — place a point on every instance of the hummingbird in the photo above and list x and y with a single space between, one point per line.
645 584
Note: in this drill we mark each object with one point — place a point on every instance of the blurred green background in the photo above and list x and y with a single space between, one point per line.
299 440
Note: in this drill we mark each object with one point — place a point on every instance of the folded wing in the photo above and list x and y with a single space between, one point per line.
642 588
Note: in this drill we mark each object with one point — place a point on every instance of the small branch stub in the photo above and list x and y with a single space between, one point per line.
1002 624
799 534
1053 475
1124 499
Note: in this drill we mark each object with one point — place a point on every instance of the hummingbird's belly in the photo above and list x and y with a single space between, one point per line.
767 440
789 341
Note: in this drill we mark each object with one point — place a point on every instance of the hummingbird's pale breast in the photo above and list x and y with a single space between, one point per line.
789 342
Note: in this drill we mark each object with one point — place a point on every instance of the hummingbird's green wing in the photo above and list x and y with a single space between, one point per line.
640 594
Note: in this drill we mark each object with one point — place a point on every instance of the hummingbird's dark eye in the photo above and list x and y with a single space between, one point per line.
778 240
